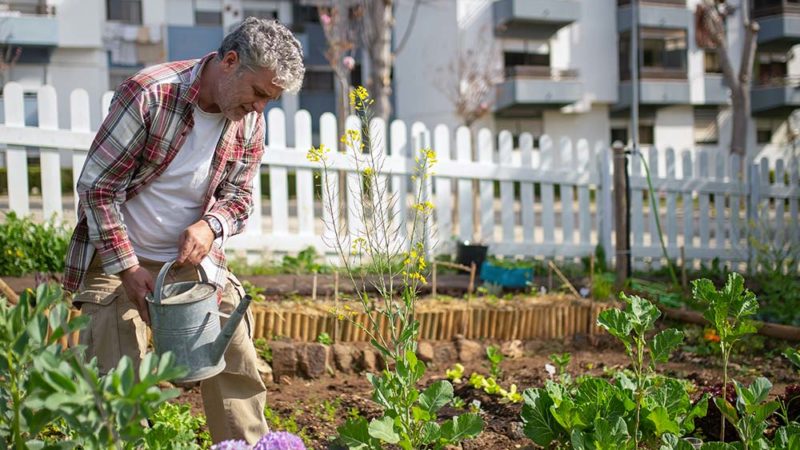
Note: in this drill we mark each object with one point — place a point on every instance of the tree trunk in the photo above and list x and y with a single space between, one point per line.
380 20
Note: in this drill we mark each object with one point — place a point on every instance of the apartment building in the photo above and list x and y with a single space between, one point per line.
565 68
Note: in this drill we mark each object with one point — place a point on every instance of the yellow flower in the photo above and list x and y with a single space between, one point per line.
317 154
368 172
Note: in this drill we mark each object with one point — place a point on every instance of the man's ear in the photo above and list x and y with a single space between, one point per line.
230 60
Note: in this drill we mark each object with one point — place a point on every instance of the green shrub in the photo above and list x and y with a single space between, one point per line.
27 246
174 427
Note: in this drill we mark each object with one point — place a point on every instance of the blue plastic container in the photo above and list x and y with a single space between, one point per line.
506 277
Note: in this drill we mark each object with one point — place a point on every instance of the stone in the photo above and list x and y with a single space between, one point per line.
512 349
343 357
425 352
313 359
468 350
444 353
368 361
265 370
284 359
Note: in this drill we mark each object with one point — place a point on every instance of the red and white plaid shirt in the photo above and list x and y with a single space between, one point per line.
146 126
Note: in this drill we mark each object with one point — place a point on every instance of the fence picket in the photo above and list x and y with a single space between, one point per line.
779 204
79 122
584 164
688 203
672 218
354 198
52 205
443 199
486 187
305 177
546 190
278 178
735 204
605 208
566 192
526 189
400 152
465 195
328 136
703 201
719 210
506 188
16 156
653 209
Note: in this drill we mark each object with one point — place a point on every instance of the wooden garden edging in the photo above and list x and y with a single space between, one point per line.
551 317
773 330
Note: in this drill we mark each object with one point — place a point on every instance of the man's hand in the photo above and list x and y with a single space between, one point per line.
138 282
195 243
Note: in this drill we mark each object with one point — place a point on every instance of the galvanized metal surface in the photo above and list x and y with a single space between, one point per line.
185 320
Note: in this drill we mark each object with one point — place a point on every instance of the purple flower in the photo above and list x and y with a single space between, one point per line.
231 445
280 440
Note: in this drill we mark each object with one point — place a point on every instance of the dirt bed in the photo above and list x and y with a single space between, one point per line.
315 408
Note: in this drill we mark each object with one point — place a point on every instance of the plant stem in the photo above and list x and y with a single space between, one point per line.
16 401
639 388
654 211
725 356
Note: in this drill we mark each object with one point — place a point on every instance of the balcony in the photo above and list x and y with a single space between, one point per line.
536 87
715 90
658 86
533 19
780 24
20 28
775 97
655 14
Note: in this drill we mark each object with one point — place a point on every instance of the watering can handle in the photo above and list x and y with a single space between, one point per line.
162 276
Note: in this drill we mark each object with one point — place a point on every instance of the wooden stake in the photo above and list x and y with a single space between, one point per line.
564 279
8 293
549 277
684 276
314 287
472 270
620 183
591 272
433 279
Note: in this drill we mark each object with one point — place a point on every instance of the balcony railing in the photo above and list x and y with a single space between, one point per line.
655 73
764 8
32 7
679 3
540 72
791 80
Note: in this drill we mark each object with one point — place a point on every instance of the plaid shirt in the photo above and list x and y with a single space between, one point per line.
146 126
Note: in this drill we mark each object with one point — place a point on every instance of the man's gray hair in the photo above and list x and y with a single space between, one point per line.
267 43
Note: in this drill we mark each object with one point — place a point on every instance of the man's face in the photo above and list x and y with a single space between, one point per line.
244 89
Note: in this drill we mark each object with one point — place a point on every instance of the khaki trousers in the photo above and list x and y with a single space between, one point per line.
233 401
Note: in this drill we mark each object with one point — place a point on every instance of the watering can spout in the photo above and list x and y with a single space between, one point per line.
224 338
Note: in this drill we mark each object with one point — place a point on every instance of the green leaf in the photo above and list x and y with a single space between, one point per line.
539 424
617 323
642 312
787 437
431 432
717 446
672 442
726 409
383 429
436 396
665 343
793 355
355 435
757 392
662 421
610 435
459 428
581 441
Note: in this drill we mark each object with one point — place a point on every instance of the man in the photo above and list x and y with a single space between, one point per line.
169 177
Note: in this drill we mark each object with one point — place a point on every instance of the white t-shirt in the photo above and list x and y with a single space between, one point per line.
156 217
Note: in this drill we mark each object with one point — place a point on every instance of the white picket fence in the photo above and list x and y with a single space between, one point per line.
552 201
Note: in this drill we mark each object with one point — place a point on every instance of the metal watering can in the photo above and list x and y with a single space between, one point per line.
184 318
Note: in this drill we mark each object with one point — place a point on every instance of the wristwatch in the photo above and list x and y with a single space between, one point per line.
214 224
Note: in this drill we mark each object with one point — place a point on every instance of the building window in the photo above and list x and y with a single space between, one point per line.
763 132
260 13
711 62
318 80
705 126
663 54
647 134
127 11
770 68
619 134
208 18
